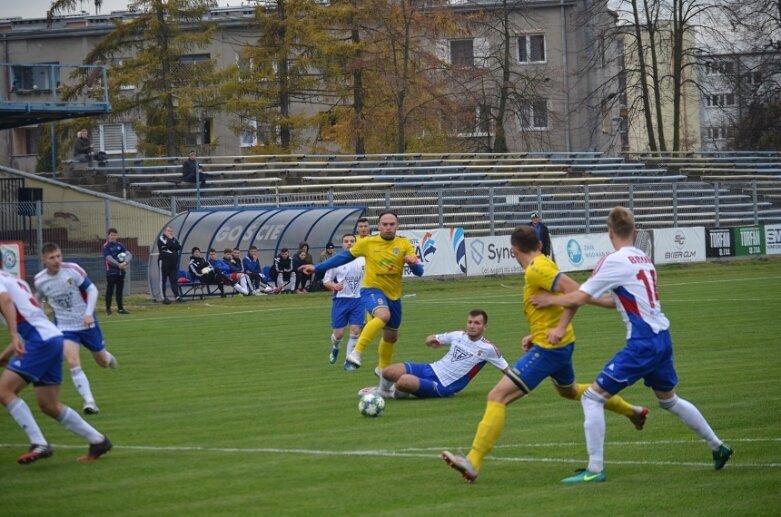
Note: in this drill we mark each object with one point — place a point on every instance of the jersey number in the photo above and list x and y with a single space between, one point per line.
650 287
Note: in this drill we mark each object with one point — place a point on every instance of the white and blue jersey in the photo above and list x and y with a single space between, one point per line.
347 307
66 292
42 361
452 373
631 278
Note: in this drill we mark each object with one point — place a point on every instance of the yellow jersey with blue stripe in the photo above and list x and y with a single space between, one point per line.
541 275
384 262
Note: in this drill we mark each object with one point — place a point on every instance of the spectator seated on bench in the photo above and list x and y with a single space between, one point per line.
257 274
282 272
191 171
204 272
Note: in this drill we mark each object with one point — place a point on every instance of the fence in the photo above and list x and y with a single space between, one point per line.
80 227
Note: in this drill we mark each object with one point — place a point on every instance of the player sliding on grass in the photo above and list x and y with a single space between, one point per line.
37 344
468 353
385 254
542 359
630 277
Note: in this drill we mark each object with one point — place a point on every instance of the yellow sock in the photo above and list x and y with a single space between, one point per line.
616 404
488 432
369 332
385 352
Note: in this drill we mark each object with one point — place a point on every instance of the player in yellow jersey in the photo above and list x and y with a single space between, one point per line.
542 359
385 255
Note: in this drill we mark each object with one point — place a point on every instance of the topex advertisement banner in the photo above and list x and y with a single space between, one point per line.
679 245
719 242
13 257
490 256
442 251
748 241
772 239
580 252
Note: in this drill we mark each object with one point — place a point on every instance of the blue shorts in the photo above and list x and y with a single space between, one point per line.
538 363
650 359
91 338
347 311
41 363
372 299
430 386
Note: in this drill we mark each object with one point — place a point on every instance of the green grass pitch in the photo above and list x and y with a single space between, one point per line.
229 407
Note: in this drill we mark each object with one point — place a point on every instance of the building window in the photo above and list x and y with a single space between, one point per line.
475 122
534 114
720 100
111 138
462 52
42 76
249 133
753 78
25 140
531 48
190 68
719 68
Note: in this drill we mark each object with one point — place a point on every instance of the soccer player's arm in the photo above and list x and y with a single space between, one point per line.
438 340
340 259
8 310
329 281
92 300
413 261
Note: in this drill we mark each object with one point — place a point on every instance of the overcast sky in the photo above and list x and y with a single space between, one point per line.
38 8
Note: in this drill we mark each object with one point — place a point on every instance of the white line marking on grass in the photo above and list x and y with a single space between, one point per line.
397 454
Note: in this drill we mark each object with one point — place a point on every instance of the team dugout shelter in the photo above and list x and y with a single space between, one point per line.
269 229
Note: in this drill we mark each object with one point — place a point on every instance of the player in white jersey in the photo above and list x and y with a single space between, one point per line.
37 345
72 297
469 351
630 277
347 309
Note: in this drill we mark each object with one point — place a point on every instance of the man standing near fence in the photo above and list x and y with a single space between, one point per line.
117 259
168 259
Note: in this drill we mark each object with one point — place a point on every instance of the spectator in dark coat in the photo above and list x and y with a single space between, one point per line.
542 233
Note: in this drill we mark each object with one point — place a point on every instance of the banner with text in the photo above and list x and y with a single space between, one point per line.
580 252
719 242
490 256
679 245
13 257
442 251
748 241
772 239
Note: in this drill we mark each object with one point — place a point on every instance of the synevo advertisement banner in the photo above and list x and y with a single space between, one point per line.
748 241
490 256
13 257
772 239
719 242
442 251
580 252
678 245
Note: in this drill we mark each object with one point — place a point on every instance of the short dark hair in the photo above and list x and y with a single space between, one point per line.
253 248
348 235
284 250
236 249
525 237
363 220
227 250
49 247
212 250
386 212
195 248
112 230
479 312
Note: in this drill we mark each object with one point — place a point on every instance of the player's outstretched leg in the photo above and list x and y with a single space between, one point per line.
462 464
35 453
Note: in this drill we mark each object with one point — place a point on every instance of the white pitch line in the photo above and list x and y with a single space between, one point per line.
394 454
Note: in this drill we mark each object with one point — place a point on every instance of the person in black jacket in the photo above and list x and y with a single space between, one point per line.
542 233
201 270
282 271
83 150
168 260
190 171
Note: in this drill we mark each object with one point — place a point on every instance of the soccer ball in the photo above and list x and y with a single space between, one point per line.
206 270
371 405
121 256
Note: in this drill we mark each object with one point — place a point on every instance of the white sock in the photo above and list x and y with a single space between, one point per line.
693 419
240 288
594 426
385 384
21 413
78 426
335 342
351 343
82 384
246 283
292 286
